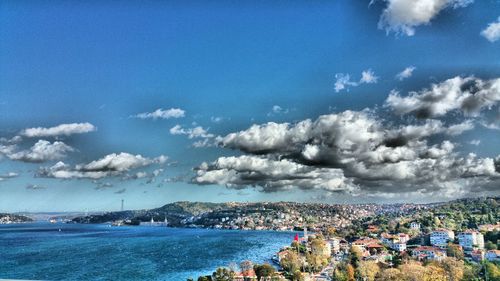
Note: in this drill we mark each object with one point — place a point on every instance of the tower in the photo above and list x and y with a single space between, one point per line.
122 206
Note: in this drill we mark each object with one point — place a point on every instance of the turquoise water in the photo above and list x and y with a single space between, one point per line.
99 252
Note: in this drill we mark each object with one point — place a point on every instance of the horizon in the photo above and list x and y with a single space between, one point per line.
255 202
328 102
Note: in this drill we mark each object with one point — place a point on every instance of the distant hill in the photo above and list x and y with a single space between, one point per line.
12 218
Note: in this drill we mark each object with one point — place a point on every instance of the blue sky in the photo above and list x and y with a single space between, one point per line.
227 65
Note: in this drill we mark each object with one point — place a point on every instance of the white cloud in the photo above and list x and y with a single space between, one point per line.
343 81
406 73
162 114
469 95
270 175
475 142
403 16
492 31
368 77
42 151
356 148
8 175
195 132
34 187
60 130
110 165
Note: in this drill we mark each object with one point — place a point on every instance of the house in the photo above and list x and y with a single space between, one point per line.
441 237
490 227
395 241
400 247
477 255
470 240
415 225
334 245
493 255
245 276
428 253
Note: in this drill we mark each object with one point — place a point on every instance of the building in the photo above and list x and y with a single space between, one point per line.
470 240
489 227
395 241
428 253
415 225
400 247
334 245
477 255
441 237
493 255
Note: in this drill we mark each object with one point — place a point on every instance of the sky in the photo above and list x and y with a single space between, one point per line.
326 101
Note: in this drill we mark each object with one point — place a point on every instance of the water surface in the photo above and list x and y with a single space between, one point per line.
99 252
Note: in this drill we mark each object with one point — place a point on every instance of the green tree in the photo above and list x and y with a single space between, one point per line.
223 274
455 251
291 262
490 246
492 271
263 270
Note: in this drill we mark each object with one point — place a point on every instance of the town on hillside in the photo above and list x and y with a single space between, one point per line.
445 242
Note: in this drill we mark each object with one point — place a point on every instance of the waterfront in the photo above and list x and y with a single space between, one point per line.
100 252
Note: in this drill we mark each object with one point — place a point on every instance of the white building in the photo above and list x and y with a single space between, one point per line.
428 253
493 255
334 245
470 240
415 226
441 237
400 247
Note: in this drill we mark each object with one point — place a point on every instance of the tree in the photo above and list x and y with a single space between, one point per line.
368 270
264 270
434 273
205 278
492 271
454 269
490 246
390 274
471 272
223 274
340 272
297 276
355 256
455 251
413 271
291 262
330 232
350 273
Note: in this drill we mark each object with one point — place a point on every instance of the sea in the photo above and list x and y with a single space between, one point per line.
44 251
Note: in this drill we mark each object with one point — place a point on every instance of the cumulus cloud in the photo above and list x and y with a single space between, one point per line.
60 130
492 31
42 151
352 151
368 76
276 109
469 95
8 175
406 73
270 175
475 142
34 187
110 165
195 132
343 81
162 114
403 16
